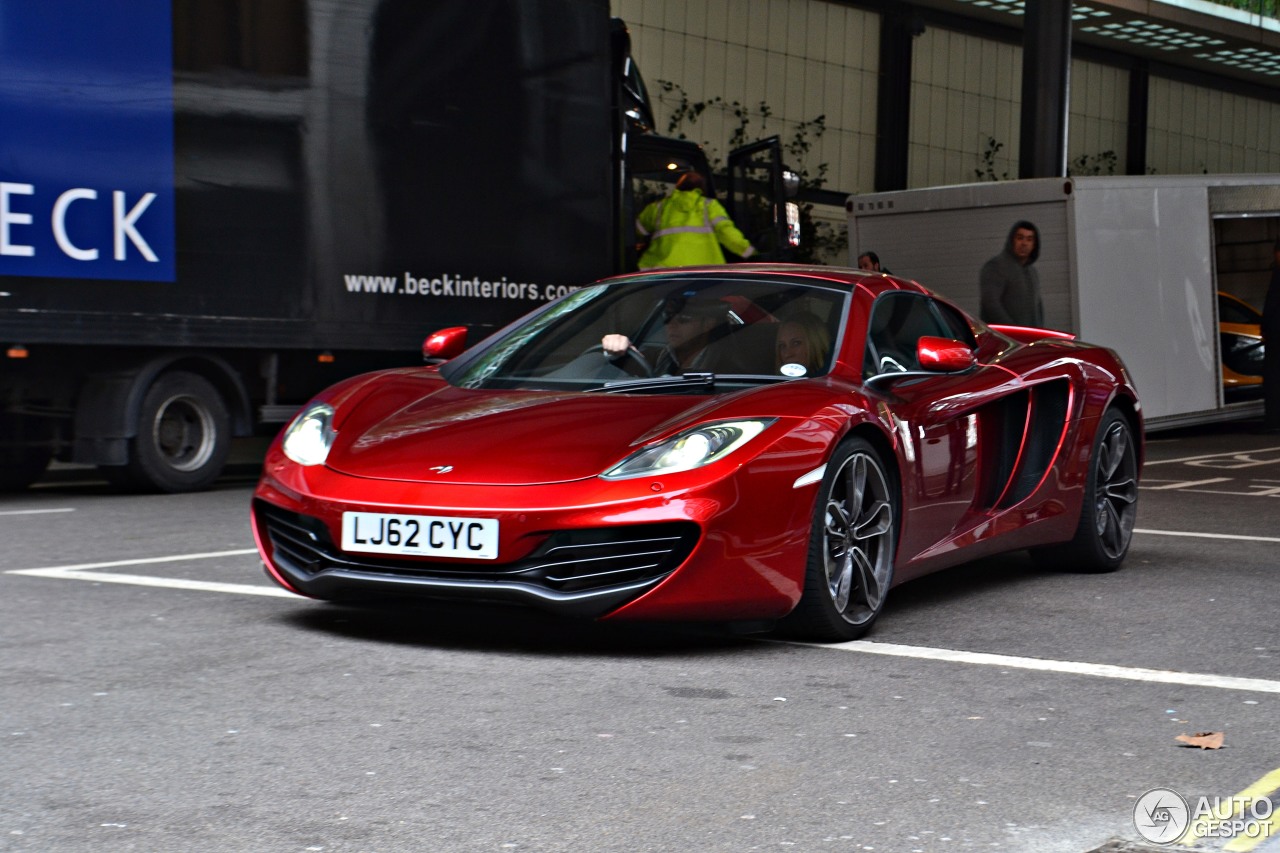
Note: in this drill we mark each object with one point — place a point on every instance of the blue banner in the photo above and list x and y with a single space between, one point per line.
86 139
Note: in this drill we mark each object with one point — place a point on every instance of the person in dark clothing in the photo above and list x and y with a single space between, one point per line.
1008 283
689 323
1271 353
870 262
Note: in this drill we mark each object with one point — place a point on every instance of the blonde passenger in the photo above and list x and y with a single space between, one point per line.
803 340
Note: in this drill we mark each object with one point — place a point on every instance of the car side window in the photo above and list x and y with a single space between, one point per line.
1230 311
958 326
898 321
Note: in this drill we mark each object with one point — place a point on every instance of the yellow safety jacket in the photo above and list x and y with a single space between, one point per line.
687 229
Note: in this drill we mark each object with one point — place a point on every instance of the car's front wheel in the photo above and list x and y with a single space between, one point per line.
851 548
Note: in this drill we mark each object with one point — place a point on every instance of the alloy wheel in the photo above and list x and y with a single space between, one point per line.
858 539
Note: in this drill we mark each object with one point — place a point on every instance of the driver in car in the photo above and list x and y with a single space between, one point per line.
689 323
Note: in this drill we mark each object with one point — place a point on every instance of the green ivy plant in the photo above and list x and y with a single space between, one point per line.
1103 163
1094 164
1270 8
986 170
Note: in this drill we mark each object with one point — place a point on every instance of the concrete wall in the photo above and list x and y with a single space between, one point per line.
804 58
1193 130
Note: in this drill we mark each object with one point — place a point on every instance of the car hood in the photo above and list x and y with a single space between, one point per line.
459 436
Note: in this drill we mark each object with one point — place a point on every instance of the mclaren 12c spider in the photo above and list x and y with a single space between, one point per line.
755 444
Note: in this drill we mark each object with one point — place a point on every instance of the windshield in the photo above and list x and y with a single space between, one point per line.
717 333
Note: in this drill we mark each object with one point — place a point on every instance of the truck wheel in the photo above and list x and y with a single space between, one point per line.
184 436
21 464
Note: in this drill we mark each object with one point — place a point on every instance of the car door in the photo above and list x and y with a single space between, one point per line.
935 416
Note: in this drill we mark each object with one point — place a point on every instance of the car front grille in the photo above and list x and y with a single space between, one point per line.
567 562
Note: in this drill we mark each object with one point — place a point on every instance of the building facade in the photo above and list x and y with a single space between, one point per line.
1155 88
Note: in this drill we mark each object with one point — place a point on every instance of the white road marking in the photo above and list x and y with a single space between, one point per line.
139 561
35 511
82 572
1220 455
1208 535
1185 484
167 583
1100 670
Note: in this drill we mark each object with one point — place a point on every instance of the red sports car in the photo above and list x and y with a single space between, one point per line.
745 443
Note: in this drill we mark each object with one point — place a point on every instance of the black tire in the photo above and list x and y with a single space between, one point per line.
1110 503
26 448
851 548
183 438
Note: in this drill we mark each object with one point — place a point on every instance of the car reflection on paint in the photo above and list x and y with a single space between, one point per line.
834 434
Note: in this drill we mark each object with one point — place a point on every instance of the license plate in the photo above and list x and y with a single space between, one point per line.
420 535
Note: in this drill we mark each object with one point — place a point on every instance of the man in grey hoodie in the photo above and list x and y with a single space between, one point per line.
1009 285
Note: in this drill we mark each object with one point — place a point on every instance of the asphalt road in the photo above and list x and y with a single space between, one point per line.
159 694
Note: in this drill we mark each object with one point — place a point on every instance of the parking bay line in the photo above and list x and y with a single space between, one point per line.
167 583
1235 536
137 561
36 511
1221 454
1257 685
82 572
1191 679
1254 685
1098 670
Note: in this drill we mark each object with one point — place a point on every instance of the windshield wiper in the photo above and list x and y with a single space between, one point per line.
658 383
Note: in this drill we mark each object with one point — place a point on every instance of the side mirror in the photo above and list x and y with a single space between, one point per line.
944 355
934 355
445 344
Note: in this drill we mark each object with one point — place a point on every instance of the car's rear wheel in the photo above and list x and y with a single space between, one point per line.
1110 505
851 548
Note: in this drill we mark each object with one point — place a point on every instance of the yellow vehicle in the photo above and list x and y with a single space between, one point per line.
1240 337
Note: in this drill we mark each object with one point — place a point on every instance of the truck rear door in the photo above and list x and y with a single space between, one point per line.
653 165
757 199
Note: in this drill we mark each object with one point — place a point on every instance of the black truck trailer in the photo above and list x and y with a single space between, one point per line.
211 209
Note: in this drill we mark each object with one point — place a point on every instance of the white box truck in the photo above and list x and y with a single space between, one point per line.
1134 263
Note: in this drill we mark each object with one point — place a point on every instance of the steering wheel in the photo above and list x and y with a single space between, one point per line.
632 353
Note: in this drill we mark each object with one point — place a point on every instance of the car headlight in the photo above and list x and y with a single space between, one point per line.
690 449
308 439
